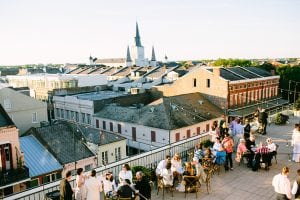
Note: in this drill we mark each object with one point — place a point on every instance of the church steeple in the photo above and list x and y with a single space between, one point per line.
137 38
128 57
153 58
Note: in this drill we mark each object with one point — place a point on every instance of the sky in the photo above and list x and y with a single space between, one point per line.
68 31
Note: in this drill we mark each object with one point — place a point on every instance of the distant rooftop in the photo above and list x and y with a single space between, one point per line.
100 95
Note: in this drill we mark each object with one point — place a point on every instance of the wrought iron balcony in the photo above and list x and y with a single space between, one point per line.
13 175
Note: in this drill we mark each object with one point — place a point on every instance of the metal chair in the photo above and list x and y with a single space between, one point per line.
191 184
163 187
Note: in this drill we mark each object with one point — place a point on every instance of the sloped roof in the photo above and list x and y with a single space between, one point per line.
165 113
37 158
98 137
5 120
241 73
58 139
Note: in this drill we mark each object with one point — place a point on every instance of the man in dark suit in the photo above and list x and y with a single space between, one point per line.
143 186
263 119
66 192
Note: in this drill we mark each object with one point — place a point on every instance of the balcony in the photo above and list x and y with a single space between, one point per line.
14 175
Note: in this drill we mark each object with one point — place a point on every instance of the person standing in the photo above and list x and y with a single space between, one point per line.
296 186
296 143
66 192
282 185
263 119
228 146
143 186
80 190
93 187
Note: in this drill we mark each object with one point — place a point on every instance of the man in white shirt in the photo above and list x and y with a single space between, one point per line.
162 164
296 186
93 187
282 185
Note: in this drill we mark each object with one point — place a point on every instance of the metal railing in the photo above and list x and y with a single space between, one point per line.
148 159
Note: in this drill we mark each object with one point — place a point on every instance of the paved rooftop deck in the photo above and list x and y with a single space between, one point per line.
242 183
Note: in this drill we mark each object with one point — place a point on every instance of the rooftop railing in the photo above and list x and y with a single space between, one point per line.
148 159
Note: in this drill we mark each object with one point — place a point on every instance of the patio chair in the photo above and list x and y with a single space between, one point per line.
163 187
191 184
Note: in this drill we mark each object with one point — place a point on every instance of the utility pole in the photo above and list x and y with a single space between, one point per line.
289 91
295 91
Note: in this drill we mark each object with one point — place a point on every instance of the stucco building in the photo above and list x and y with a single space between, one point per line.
25 112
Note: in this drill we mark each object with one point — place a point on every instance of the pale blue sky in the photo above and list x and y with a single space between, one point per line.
60 31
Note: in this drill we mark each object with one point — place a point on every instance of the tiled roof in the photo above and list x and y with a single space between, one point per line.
165 113
4 118
58 139
37 158
98 137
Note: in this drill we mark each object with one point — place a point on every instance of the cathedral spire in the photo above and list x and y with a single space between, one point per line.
153 58
137 36
128 57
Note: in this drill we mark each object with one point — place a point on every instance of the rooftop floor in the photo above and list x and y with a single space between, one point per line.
242 182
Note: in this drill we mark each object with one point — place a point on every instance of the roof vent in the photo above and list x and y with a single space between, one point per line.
152 109
200 102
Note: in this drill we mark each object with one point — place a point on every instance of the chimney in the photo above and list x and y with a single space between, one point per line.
216 71
273 72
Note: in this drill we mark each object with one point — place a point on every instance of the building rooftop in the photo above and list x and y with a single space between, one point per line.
5 120
35 152
96 136
99 95
59 141
165 113
241 73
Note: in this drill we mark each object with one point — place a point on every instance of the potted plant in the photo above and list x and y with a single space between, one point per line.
281 119
297 108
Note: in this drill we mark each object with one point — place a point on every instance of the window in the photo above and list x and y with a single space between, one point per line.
195 82
104 125
7 104
67 114
34 117
188 133
198 130
77 116
117 153
88 116
111 127
62 113
177 137
133 133
97 123
104 158
57 110
88 167
33 183
46 179
208 83
207 127
83 117
153 136
119 128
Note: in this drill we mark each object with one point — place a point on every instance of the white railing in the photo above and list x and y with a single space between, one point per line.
148 159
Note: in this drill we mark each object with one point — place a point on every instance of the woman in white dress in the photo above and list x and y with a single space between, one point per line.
296 143
167 175
80 189
125 173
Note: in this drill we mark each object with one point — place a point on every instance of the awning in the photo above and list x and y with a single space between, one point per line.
249 110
